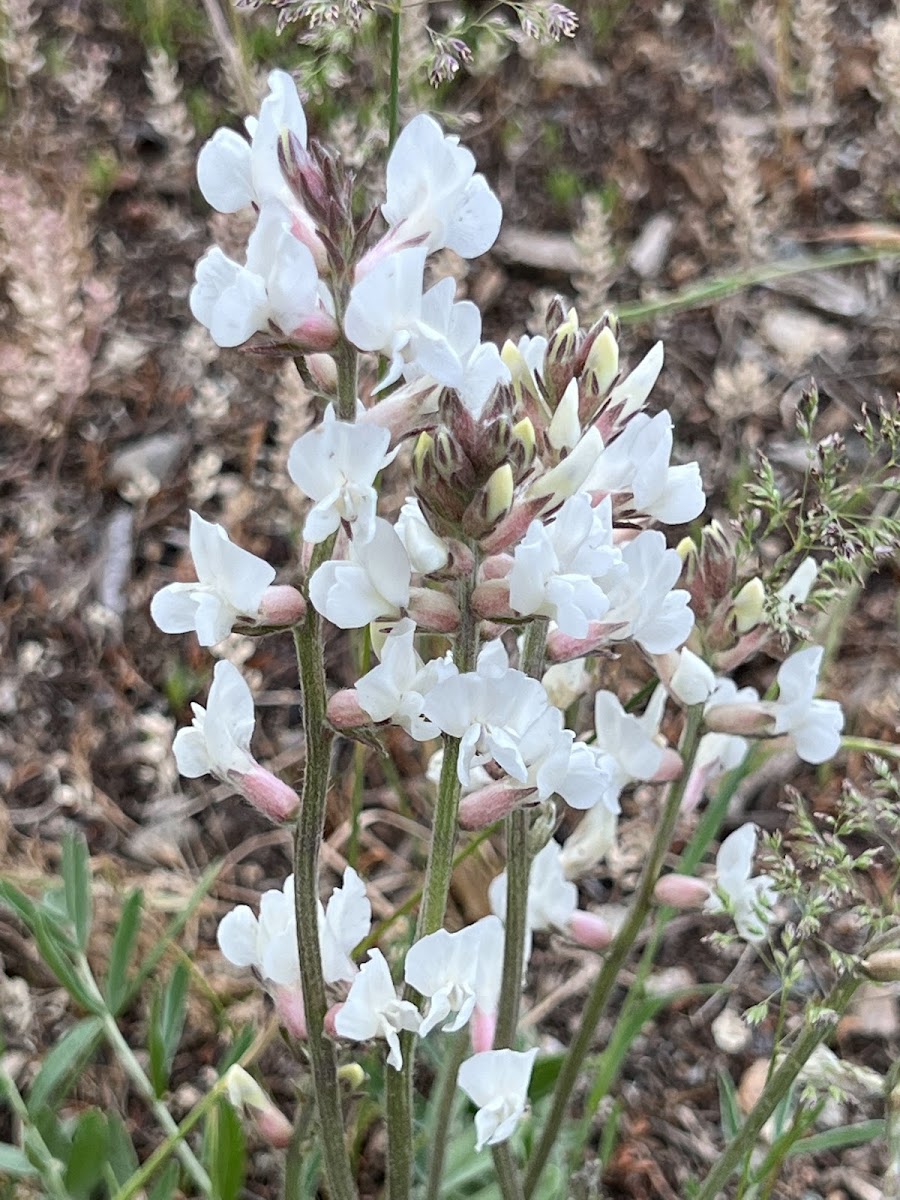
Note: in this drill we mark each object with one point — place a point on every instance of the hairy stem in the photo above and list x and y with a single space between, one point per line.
394 97
346 359
398 1084
517 868
776 1089
616 956
308 837
49 1167
507 1174
456 1045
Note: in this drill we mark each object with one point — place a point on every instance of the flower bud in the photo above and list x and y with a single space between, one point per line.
490 600
748 605
565 683
564 480
281 604
422 451
268 793
246 1094
301 173
542 827
692 681
433 610
523 448
669 768
681 891
883 966
345 712
798 587
498 566
352 1075
718 564
602 364
482 1028
746 720
499 491
490 803
589 930
317 332
323 370
564 429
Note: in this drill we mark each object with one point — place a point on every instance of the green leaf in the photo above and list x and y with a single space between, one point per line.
122 951
56 951
24 908
76 873
123 1160
729 1108
65 1061
235 1051
90 1149
839 1138
224 1152
166 1025
164 1188
544 1076
14 1163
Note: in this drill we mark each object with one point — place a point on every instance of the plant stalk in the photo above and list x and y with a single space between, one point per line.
394 97
307 840
507 1174
444 1104
775 1090
616 956
517 870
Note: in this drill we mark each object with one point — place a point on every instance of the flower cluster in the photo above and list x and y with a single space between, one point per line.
539 487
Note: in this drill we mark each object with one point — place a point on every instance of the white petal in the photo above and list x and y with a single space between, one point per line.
174 608
223 172
191 754
237 936
476 222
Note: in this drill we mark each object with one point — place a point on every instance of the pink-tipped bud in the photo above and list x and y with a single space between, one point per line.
670 767
344 710
318 331
562 648
681 891
323 370
490 600
696 785
269 794
281 605
513 526
274 1126
747 720
489 804
248 1097
482 1028
330 1018
498 566
589 930
433 610
289 1006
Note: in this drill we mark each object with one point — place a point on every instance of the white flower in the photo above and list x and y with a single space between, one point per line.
427 552
447 968
373 1009
335 464
395 690
721 752
564 430
269 944
814 725
433 193
552 899
497 1083
525 360
478 776
749 901
559 568
626 743
637 463
230 584
693 681
234 173
218 740
590 842
565 682
796 590
634 389
658 618
373 583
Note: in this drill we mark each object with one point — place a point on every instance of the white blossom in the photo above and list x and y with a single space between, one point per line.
447 968
218 740
395 690
627 743
335 464
749 901
656 617
814 725
634 389
636 463
373 1009
434 195
268 943
552 899
427 552
278 287
373 583
497 1083
560 568
693 681
721 752
230 585
590 842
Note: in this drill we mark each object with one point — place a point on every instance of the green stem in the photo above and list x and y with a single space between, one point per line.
49 1167
616 956
307 840
775 1090
507 1173
346 360
394 98
871 746
517 871
444 1104
398 1084
726 285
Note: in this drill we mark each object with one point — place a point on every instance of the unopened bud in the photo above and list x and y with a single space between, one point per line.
352 1075
433 610
490 804
564 429
745 720
564 339
323 370
883 966
687 551
748 605
681 891
269 794
281 605
291 1013
301 172
542 827
423 450
692 681
799 585
318 331
490 600
521 375
670 767
602 365
589 930
500 488
718 563
345 712
482 1029
523 437
564 480
248 1097
564 683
